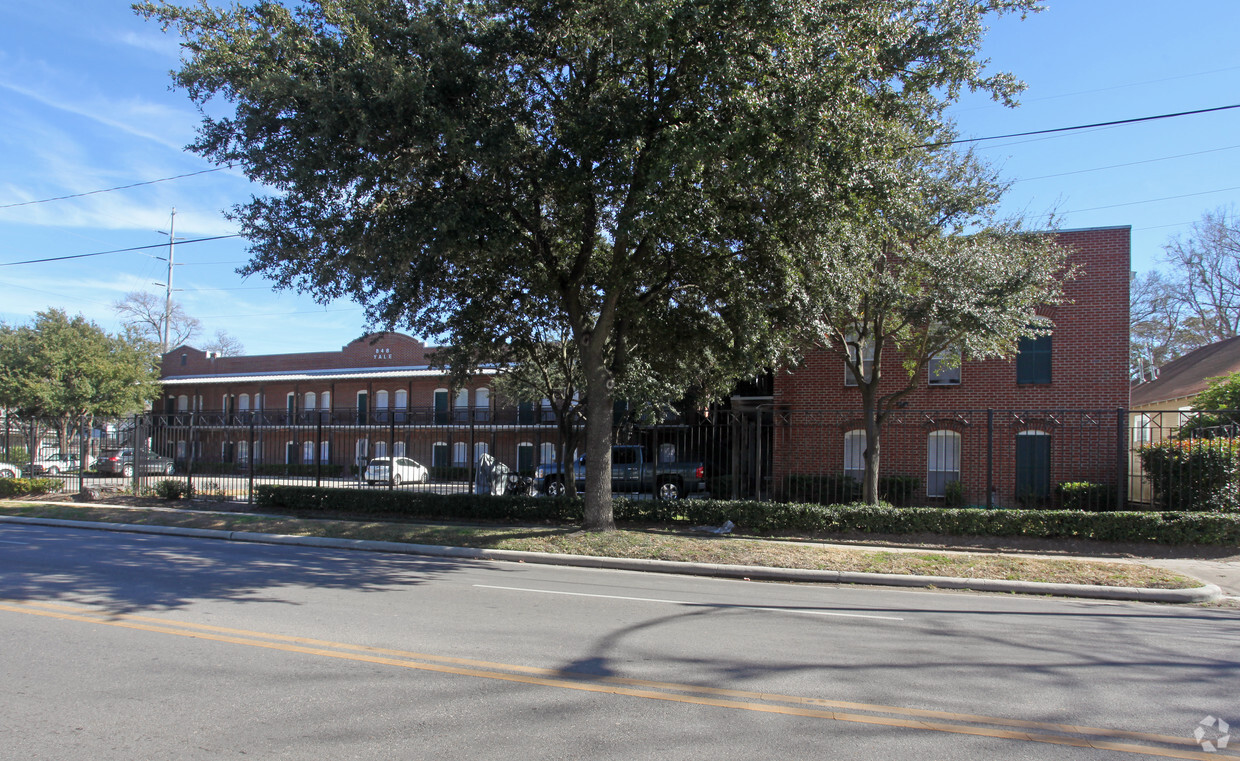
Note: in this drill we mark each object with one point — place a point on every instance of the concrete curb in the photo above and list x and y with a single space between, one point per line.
1207 593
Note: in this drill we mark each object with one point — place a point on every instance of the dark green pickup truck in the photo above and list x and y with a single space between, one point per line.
630 472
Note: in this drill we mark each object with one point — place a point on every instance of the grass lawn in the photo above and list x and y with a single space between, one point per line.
650 544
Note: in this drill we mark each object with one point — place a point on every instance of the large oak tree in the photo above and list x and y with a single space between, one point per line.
645 168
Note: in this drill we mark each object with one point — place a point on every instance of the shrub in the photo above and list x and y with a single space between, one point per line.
953 494
771 517
15 487
1196 474
1085 495
173 488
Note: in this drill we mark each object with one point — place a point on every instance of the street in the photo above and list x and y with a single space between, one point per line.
122 646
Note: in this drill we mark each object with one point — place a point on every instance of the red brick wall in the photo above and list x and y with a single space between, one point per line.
1089 370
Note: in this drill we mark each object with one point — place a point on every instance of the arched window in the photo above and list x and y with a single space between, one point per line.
482 405
480 448
381 400
942 462
546 453
439 455
327 401
243 452
461 406
460 454
398 449
243 403
324 451
307 451
854 454
311 399
182 403
380 448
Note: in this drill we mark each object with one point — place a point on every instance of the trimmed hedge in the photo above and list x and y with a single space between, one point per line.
773 517
16 487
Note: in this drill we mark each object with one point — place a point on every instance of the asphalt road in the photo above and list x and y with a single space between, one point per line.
120 646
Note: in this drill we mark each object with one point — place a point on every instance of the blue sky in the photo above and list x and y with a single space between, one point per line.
85 104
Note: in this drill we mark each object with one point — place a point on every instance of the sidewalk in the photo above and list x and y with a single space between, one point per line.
1220 577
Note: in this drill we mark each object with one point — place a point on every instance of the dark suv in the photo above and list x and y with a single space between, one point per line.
122 462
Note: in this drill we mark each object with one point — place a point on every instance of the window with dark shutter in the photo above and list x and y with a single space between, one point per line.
1033 360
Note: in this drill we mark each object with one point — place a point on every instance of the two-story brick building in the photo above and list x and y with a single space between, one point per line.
380 395
1003 428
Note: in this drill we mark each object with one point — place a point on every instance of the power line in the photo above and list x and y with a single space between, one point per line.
1081 126
1130 163
1142 83
119 187
1152 200
114 251
927 145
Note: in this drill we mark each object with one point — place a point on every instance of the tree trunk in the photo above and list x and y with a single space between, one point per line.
873 447
598 509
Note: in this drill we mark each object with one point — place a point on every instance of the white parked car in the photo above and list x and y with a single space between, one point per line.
55 464
9 470
405 471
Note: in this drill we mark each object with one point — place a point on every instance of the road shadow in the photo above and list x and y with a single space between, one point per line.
125 573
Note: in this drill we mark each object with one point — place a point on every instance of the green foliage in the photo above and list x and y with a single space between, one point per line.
1085 495
953 494
174 488
1219 405
1193 474
16 487
771 517
642 178
69 368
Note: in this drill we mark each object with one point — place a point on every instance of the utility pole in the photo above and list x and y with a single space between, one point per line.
172 221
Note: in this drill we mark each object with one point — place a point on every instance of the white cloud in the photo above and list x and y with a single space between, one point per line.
162 44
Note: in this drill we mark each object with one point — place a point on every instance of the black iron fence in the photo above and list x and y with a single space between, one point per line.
1091 459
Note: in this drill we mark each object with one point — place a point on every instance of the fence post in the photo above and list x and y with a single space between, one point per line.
249 451
1121 458
990 458
318 454
391 448
136 448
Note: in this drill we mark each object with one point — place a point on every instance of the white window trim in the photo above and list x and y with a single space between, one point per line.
936 446
957 367
854 453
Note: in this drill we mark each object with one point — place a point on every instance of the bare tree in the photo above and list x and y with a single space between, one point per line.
142 314
225 345
1206 265
1162 326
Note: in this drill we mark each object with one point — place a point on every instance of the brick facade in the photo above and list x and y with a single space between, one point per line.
1089 372
378 395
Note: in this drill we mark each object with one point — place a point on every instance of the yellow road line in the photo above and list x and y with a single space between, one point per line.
911 718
